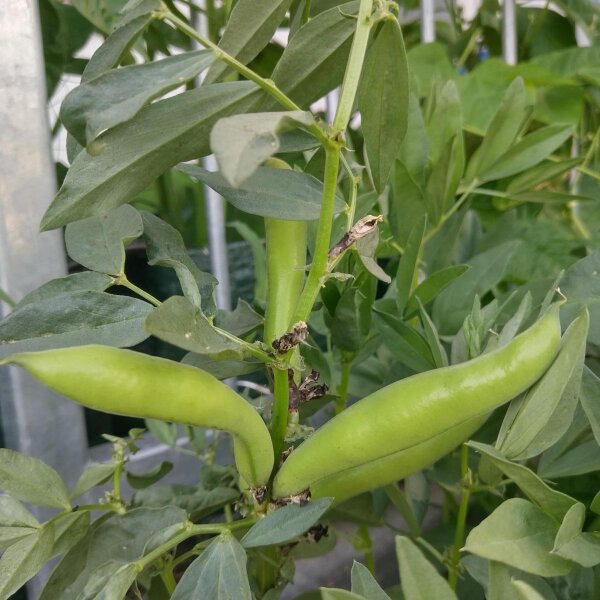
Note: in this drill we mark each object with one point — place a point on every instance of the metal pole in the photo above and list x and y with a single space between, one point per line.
509 32
427 21
215 210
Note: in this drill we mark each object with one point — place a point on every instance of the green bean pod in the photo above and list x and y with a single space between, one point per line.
418 411
128 383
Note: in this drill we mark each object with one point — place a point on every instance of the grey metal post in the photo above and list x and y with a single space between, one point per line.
509 32
215 212
427 21
34 420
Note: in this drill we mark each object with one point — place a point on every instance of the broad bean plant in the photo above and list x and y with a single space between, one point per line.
423 336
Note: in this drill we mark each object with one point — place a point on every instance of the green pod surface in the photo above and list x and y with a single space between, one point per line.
417 409
128 383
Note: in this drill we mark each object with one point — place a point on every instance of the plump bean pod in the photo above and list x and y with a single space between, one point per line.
128 383
419 410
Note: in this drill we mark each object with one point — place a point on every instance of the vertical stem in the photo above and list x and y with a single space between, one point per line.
279 419
461 520
354 67
319 263
168 579
306 12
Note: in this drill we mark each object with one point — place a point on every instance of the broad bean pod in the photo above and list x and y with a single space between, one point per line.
413 422
128 383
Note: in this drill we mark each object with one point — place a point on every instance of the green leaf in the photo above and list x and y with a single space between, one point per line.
516 322
519 534
128 158
364 584
595 505
486 270
574 544
366 248
165 433
345 326
444 179
76 282
16 522
552 502
218 573
445 121
581 286
544 172
95 474
583 458
428 289
278 193
407 205
428 62
30 480
525 591
404 342
240 321
69 530
110 581
383 100
408 269
221 369
249 29
546 411
418 577
241 143
72 320
103 15
528 152
120 538
21 561
118 95
180 323
314 61
142 480
339 594
285 524
98 243
165 247
502 130
259 257
589 395
438 352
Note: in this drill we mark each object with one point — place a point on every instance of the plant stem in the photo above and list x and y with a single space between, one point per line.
306 12
318 267
251 348
354 67
266 84
279 418
461 519
168 579
123 281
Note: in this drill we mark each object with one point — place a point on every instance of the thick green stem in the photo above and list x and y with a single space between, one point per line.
279 419
318 268
354 67
461 519
122 280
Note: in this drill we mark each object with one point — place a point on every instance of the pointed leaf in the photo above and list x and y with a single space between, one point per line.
180 323
418 577
540 174
519 534
528 152
249 29
21 561
408 269
69 530
383 100
428 289
110 581
277 193
218 573
165 247
364 584
95 474
118 95
143 480
552 502
340 594
128 158
502 130
73 320
590 400
240 321
30 480
76 282
286 523
547 409
525 591
98 243
16 522
574 544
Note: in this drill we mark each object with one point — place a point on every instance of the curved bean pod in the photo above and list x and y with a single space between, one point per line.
417 409
128 383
